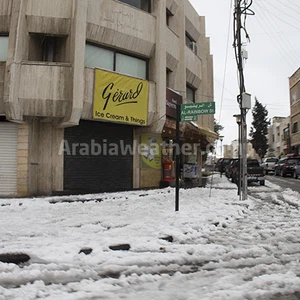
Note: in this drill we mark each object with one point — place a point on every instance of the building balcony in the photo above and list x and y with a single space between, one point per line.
44 89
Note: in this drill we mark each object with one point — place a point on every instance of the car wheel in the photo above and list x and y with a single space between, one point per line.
282 173
262 182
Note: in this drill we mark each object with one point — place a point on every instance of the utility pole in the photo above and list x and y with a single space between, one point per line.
243 98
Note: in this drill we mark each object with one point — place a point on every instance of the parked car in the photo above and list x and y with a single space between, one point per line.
229 168
255 172
285 166
221 164
269 164
296 173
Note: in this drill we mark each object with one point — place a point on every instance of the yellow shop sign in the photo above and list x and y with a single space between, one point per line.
119 98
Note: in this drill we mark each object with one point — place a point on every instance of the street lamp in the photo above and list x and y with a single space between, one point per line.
221 137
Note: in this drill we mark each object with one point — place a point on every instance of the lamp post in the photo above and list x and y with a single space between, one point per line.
221 139
221 167
238 119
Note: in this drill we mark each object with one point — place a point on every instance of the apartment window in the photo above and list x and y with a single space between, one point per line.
97 57
141 4
295 127
47 48
190 43
190 93
3 48
130 65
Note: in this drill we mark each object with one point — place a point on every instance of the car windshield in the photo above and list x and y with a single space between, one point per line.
293 161
272 160
252 162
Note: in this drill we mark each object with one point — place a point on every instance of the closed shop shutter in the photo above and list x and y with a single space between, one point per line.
8 158
89 170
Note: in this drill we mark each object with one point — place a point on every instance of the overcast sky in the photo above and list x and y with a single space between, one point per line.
274 55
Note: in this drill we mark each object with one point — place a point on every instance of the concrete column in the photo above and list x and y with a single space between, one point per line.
17 51
158 65
45 163
77 47
180 73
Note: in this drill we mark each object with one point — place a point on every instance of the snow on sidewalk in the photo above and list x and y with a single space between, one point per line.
201 260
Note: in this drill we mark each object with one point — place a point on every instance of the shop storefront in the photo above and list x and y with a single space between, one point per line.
194 141
99 153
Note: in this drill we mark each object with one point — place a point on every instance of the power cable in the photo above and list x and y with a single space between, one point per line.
275 43
272 5
278 39
282 20
226 60
294 4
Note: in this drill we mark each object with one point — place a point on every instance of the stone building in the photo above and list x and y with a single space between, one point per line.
294 128
279 137
83 83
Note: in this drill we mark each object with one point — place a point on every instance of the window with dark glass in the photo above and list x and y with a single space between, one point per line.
47 48
295 127
190 93
3 47
98 57
141 4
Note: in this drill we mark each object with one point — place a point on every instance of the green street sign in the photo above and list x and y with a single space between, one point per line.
195 109
189 118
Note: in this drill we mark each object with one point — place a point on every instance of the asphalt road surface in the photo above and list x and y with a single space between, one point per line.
285 182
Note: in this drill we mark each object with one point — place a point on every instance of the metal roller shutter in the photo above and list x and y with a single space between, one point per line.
8 158
88 173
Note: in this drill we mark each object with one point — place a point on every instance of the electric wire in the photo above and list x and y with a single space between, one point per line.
226 60
291 62
274 6
285 41
282 20
294 4
287 6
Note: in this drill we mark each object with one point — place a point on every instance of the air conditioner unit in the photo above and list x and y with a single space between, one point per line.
194 47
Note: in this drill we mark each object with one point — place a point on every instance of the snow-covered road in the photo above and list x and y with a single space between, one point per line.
218 248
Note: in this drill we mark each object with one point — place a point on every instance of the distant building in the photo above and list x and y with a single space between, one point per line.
232 151
279 137
294 82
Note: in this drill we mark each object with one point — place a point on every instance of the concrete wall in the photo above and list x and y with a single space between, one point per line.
117 25
45 162
44 89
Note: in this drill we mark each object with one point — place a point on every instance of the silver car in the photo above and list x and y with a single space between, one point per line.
296 173
269 164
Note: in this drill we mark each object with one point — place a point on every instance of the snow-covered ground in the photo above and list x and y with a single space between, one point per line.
215 247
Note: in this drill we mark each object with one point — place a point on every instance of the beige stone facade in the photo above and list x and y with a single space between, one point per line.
295 112
46 93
